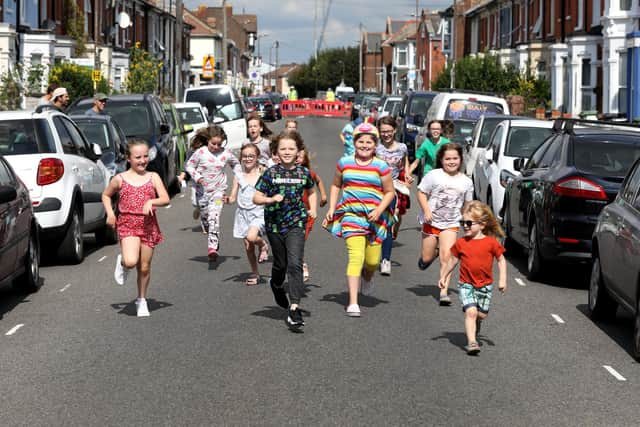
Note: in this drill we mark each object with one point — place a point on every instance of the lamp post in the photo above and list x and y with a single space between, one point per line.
224 41
341 62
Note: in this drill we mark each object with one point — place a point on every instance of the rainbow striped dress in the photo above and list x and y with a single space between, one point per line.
361 194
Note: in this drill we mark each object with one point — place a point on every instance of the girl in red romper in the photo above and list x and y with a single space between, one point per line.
139 193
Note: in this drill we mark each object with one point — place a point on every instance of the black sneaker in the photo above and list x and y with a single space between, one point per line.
294 319
280 295
423 265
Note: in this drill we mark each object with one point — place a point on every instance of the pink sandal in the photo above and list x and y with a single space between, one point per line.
264 253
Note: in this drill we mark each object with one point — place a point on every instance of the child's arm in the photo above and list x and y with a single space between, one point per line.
161 200
234 192
259 198
107 194
323 193
191 167
237 169
313 202
445 271
424 205
389 193
502 274
408 177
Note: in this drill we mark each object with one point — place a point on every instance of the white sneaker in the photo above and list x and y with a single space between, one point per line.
141 308
385 267
353 310
120 274
366 286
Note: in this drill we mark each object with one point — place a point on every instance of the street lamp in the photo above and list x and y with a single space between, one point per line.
342 81
258 37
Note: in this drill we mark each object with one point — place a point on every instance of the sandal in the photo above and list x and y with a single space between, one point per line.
264 253
252 280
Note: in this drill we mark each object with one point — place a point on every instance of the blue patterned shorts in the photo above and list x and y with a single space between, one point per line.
470 296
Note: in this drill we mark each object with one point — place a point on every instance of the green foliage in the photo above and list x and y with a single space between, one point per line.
143 71
327 71
10 91
73 25
76 79
486 74
34 80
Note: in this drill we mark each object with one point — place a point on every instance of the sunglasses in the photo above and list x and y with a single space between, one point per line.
467 222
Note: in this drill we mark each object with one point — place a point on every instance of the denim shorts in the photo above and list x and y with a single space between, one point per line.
470 296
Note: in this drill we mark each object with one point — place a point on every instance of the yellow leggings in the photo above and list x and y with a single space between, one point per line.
362 253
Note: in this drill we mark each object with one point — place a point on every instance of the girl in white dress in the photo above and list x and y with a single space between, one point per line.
249 218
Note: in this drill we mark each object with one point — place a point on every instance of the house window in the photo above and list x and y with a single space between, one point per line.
580 17
587 86
552 16
505 27
401 60
9 12
474 35
595 14
625 4
622 82
29 13
87 16
541 70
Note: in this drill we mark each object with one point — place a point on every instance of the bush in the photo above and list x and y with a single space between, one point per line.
77 80
34 80
143 71
10 91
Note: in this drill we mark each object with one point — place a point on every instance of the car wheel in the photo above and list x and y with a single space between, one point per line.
106 236
601 306
509 244
534 260
29 281
72 247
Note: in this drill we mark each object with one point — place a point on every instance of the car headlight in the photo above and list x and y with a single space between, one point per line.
506 177
412 128
153 152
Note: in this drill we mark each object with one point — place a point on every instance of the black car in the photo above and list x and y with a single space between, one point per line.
413 111
104 131
264 107
141 116
615 273
19 241
276 100
553 206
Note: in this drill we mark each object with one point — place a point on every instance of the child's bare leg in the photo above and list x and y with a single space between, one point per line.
353 283
447 239
429 244
250 248
130 249
144 270
470 316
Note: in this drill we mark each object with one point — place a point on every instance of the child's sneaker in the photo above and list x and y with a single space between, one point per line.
141 308
445 299
120 274
279 295
196 213
423 265
472 348
353 310
385 267
294 319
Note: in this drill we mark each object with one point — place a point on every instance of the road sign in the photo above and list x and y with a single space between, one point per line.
208 67
96 76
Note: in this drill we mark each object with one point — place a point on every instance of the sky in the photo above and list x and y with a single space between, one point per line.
291 22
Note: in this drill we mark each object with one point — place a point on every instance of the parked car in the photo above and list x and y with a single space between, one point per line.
104 131
413 111
19 240
387 104
480 136
179 133
615 272
224 107
552 208
142 116
264 107
357 102
64 175
276 100
512 139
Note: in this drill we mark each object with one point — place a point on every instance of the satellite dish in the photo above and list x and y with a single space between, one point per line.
123 20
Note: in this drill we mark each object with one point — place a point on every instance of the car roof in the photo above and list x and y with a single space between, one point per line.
28 114
531 123
95 118
187 105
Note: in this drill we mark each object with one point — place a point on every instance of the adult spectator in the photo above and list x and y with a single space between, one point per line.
99 102
46 98
293 94
60 98
330 96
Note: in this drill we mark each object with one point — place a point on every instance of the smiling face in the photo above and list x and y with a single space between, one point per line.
451 162
287 152
249 157
138 157
254 129
215 144
435 129
471 226
387 133
365 146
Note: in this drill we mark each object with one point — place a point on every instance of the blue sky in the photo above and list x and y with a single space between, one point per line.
291 22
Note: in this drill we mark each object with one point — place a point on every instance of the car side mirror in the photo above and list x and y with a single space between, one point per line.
164 128
187 128
8 194
467 142
518 164
488 154
96 149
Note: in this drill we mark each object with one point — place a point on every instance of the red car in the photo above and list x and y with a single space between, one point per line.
19 242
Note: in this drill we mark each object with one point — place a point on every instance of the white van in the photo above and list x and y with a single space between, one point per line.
343 92
224 107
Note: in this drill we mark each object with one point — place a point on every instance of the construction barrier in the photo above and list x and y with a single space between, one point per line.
316 108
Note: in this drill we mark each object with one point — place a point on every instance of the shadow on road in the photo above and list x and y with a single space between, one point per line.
619 328
129 308
431 290
570 276
459 339
271 312
10 298
343 299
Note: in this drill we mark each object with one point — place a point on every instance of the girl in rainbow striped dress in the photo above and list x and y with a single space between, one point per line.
364 215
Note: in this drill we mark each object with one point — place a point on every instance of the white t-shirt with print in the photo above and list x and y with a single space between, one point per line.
445 194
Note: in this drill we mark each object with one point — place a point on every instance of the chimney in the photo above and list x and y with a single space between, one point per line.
211 22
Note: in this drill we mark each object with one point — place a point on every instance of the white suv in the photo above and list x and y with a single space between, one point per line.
64 176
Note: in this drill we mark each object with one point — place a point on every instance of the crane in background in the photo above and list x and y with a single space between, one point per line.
324 27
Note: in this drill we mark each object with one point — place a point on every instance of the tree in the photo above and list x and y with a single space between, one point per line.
143 71
10 91
327 71
76 79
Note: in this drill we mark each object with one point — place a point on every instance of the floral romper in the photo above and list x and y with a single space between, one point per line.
131 220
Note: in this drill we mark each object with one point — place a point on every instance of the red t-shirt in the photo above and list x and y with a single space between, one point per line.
476 259
305 195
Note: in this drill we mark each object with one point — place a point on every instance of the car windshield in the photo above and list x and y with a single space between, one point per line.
461 129
25 136
466 109
388 106
488 126
95 132
606 159
418 108
191 115
522 142
133 117
218 103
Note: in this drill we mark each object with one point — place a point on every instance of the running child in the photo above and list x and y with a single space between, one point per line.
259 134
442 193
363 216
429 148
249 218
291 124
476 252
280 189
200 139
206 166
304 160
139 193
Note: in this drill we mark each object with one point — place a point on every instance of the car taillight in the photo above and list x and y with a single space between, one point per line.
49 171
579 187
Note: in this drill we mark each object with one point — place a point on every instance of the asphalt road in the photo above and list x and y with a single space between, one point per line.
216 352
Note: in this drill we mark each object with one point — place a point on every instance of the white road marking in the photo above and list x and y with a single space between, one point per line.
14 329
65 287
519 281
557 318
102 259
615 373
167 207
